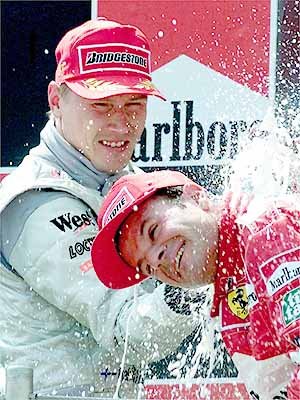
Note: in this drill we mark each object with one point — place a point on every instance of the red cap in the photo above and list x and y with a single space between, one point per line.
127 192
103 58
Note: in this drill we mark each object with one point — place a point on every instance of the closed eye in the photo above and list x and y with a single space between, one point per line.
103 107
145 268
151 231
148 270
135 106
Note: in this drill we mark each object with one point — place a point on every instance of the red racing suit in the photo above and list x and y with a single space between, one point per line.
257 287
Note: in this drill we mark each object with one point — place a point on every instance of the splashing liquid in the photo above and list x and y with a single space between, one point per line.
268 163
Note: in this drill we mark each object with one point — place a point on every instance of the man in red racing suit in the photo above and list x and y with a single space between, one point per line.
249 250
257 287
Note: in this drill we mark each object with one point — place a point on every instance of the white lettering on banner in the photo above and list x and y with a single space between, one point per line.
283 275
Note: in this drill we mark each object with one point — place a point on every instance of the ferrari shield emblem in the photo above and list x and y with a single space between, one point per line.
238 302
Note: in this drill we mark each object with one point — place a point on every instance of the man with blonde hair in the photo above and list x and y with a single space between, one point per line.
56 317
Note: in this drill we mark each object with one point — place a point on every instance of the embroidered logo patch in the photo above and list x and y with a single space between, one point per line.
282 276
238 302
122 200
291 306
114 58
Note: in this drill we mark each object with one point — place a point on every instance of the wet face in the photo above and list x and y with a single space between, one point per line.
106 130
175 242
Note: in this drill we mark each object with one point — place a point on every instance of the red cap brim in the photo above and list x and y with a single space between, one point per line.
119 274
109 266
94 89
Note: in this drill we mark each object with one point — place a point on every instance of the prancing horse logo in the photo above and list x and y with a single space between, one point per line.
238 302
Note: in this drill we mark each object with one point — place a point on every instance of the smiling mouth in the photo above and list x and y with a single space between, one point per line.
113 144
178 257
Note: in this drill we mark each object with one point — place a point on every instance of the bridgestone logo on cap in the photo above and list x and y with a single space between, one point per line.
122 200
114 57
96 58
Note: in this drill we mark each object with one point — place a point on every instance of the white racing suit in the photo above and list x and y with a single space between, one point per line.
56 316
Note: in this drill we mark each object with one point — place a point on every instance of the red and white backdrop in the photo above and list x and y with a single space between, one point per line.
214 61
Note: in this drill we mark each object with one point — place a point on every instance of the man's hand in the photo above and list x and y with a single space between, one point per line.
238 202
